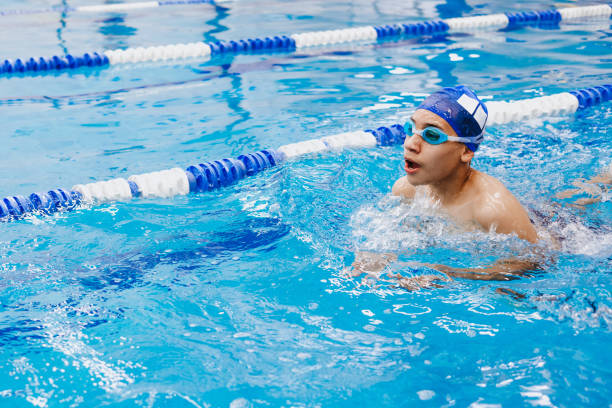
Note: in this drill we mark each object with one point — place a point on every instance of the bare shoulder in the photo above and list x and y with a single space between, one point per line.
403 188
497 208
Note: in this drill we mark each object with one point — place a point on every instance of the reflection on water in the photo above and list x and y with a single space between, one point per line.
241 297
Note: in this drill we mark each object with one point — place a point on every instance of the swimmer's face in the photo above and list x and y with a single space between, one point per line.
425 163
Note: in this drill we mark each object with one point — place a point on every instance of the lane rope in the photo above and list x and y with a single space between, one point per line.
550 18
213 175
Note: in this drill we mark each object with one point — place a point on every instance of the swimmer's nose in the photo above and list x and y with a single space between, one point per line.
413 143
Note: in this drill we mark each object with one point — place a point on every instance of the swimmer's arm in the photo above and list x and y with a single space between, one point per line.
500 270
403 188
510 218
514 221
372 264
506 216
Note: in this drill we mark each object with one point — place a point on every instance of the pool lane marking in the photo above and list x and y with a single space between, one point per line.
211 71
293 42
213 175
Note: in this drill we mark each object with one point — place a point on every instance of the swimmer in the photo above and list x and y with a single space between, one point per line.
442 137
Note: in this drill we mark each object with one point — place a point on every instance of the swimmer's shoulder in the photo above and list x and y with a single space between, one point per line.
497 208
403 188
485 184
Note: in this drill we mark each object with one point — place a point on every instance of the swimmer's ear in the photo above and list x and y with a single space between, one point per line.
466 155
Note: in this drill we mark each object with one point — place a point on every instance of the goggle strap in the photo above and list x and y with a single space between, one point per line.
463 139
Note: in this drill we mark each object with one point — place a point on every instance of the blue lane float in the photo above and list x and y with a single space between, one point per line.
213 175
298 41
388 136
588 97
518 19
414 29
54 63
252 44
220 173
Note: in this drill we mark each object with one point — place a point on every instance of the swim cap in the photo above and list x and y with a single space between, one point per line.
463 111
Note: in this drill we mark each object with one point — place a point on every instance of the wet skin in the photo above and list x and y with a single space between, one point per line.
469 196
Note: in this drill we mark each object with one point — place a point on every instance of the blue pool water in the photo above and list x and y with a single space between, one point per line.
242 297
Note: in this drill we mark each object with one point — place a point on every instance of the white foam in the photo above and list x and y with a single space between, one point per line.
407 227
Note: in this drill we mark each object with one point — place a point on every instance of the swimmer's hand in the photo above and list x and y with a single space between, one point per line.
595 193
414 283
370 263
595 188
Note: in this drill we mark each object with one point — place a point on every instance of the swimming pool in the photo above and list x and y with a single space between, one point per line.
239 297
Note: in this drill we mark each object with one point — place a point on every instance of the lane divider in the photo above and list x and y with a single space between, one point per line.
216 174
301 40
107 7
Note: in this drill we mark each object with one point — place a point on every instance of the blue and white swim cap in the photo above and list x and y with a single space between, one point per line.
463 111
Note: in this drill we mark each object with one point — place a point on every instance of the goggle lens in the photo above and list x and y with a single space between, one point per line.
408 128
431 135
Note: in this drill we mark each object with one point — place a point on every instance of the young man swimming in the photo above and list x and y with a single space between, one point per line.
441 138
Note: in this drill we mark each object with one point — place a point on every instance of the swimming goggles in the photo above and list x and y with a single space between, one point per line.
433 135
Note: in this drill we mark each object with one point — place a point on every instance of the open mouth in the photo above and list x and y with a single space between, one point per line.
410 166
